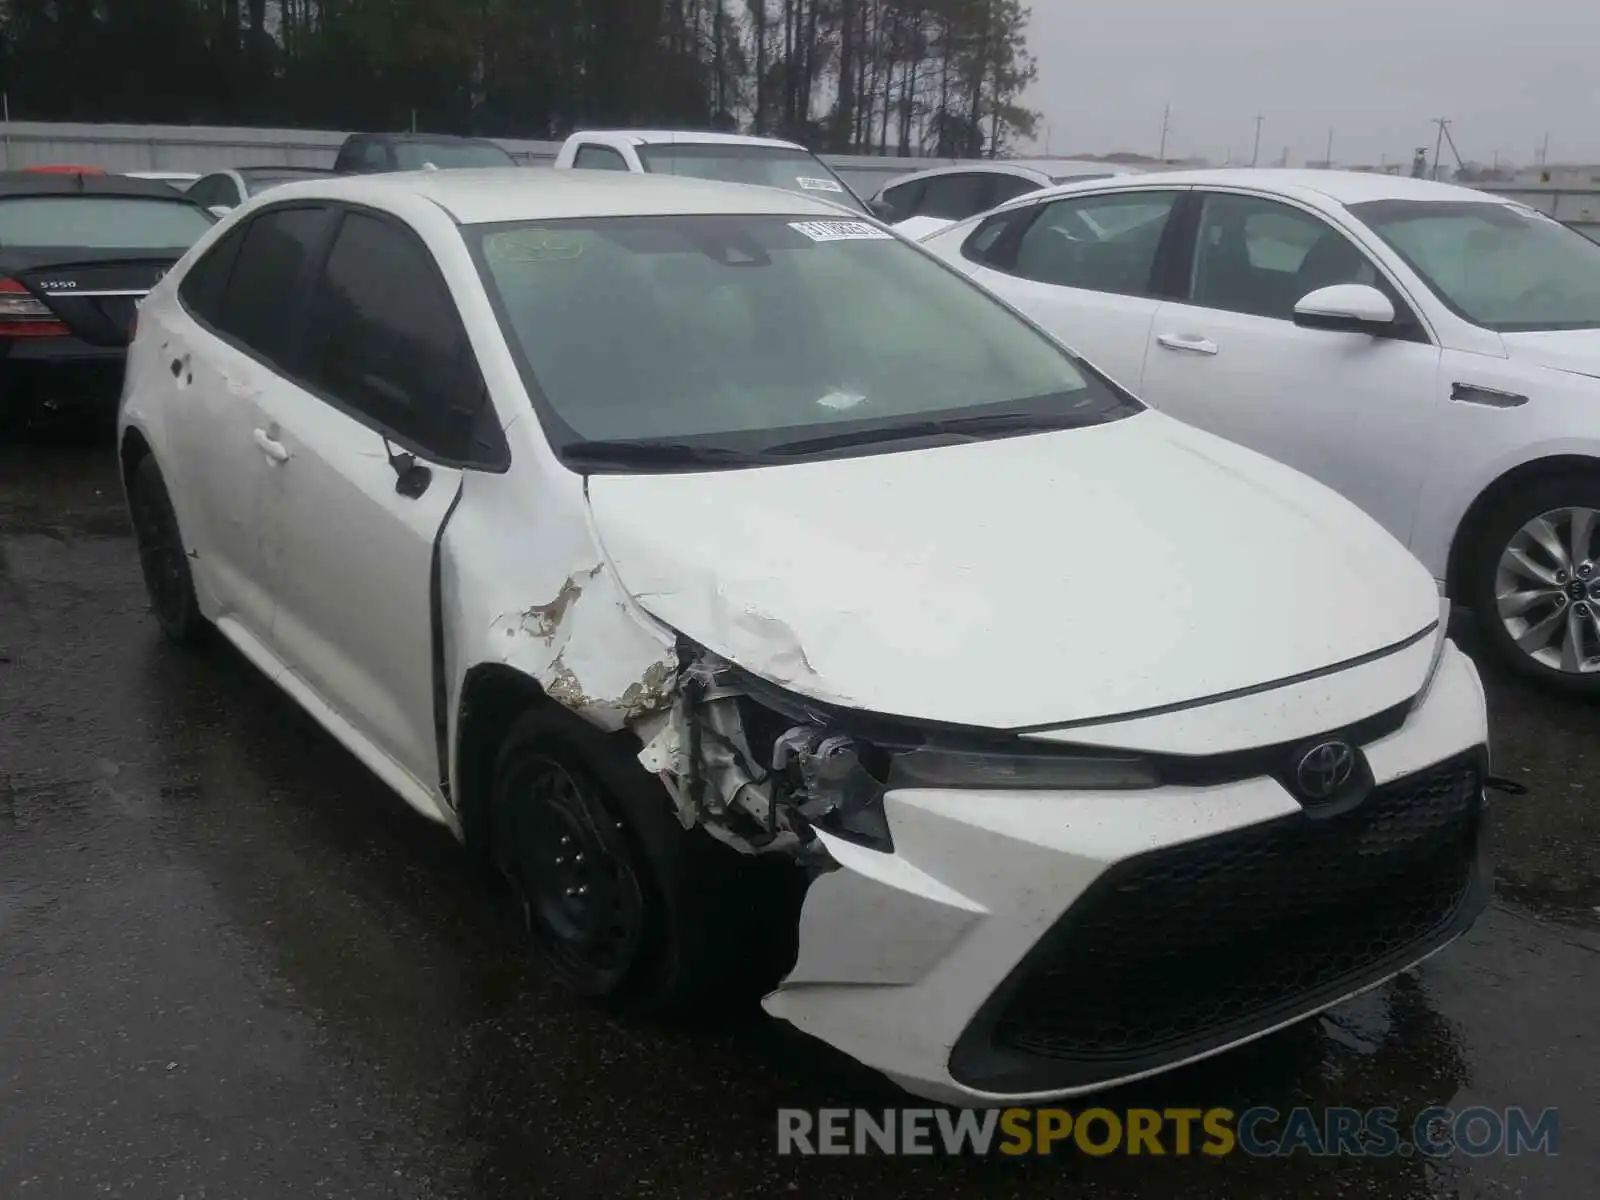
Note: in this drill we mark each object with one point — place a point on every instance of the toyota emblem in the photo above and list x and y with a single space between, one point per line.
1324 769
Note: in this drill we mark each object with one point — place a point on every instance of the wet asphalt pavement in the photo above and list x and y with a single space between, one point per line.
232 964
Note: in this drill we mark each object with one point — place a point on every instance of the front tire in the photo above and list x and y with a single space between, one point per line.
162 556
620 903
1535 585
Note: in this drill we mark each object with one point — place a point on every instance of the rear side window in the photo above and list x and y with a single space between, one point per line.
903 199
599 158
385 340
1009 187
1103 243
262 300
956 197
101 223
204 287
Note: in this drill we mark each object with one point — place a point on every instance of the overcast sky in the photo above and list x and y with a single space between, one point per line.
1505 71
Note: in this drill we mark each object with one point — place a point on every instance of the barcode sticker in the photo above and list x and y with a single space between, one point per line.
840 231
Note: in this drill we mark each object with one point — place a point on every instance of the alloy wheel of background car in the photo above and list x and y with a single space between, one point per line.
162 558
1538 586
574 877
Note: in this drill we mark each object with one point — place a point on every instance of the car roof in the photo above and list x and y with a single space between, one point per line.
1040 170
1342 187
689 137
996 167
429 139
478 196
20 183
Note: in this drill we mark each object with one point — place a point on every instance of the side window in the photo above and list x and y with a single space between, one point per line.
385 339
1260 257
261 301
599 158
1009 187
212 190
370 155
204 287
1102 243
956 197
903 199
992 242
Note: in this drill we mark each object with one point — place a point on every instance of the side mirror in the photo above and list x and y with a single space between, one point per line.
881 209
221 210
1346 308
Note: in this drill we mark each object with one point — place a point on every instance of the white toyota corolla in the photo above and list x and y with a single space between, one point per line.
1430 351
775 609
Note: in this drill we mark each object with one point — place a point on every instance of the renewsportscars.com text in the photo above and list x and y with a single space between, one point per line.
1257 1132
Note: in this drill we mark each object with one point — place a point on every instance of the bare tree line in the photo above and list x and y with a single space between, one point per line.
892 76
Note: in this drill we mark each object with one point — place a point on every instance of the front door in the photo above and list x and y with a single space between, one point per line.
372 430
1355 411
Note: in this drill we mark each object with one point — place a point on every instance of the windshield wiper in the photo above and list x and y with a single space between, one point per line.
968 428
657 453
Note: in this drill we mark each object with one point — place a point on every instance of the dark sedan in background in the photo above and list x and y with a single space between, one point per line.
78 252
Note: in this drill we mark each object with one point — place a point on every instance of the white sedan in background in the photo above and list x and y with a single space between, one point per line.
1430 351
926 200
889 663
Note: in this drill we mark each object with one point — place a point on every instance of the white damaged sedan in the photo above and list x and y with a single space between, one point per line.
778 611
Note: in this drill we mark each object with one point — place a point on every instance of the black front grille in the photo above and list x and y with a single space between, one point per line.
1188 948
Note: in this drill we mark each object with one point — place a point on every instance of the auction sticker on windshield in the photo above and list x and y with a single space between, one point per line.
818 185
840 231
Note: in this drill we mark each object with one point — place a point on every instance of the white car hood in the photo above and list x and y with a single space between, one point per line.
1022 581
1576 350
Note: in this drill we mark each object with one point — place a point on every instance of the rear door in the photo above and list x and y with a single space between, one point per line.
374 433
1086 267
223 354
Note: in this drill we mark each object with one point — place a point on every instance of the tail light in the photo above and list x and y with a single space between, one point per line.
23 316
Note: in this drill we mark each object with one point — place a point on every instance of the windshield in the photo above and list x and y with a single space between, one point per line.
783 167
1080 178
1500 266
417 156
759 333
100 222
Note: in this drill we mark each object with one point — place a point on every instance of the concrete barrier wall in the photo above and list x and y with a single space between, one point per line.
203 148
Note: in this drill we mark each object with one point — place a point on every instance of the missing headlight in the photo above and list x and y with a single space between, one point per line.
763 769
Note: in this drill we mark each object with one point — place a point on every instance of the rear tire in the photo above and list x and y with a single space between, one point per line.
1535 582
162 556
630 910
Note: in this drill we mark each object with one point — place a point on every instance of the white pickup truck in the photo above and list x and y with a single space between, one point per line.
732 158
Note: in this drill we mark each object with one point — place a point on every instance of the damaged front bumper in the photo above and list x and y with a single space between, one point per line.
1024 945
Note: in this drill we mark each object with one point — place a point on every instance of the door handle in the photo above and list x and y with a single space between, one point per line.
1194 345
276 451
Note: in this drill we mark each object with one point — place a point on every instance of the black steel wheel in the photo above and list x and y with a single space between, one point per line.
577 883
162 557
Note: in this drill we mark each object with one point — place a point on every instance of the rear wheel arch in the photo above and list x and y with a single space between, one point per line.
1464 546
130 452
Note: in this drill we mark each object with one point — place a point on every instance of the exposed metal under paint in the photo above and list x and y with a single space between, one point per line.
591 652
758 791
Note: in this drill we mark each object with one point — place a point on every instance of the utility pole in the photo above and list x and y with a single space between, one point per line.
1161 154
1255 154
1544 151
1327 158
1438 144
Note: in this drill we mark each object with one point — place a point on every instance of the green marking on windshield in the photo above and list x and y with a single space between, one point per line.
535 245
